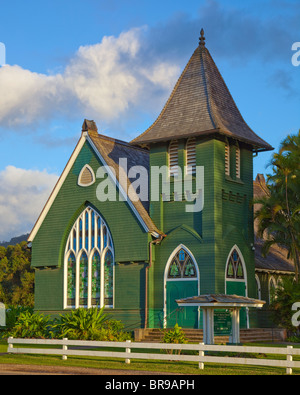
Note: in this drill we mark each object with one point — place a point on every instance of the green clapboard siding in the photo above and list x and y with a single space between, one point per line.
225 221
130 242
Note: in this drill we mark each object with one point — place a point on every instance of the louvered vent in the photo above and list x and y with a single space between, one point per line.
191 156
227 159
86 176
173 158
238 162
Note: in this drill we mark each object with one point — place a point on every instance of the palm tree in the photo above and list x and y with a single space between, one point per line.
278 215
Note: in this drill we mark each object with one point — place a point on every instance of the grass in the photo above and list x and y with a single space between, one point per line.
190 368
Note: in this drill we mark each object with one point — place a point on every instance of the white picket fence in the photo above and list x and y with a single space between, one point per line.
86 348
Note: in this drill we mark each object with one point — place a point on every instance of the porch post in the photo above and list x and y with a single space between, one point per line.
211 325
208 325
236 325
204 325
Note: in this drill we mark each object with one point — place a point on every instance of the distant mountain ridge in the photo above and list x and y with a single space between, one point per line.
14 240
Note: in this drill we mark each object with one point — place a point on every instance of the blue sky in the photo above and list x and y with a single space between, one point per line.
116 62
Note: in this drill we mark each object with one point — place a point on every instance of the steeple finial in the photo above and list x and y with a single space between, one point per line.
202 38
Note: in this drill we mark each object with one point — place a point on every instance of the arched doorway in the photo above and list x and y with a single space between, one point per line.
181 280
236 280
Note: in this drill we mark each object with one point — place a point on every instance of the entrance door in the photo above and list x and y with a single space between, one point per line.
181 281
238 288
186 317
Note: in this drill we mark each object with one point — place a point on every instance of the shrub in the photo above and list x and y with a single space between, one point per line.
113 330
80 324
13 313
31 325
176 336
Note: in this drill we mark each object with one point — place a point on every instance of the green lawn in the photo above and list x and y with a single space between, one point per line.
157 366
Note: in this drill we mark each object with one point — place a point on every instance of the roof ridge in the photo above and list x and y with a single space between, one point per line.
169 99
204 50
199 103
121 142
226 87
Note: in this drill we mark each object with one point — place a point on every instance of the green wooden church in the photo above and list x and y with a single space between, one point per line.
101 242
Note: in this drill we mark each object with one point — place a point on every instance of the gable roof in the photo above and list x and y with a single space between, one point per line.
109 151
220 300
200 104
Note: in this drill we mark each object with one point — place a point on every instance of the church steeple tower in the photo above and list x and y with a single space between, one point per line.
201 104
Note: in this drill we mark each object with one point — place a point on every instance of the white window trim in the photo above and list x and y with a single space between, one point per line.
258 286
235 247
166 279
80 174
244 280
89 252
271 279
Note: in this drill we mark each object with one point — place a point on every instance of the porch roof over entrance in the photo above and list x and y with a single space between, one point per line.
220 300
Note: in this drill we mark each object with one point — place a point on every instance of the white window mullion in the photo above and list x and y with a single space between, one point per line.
77 232
83 230
89 302
89 230
102 281
77 281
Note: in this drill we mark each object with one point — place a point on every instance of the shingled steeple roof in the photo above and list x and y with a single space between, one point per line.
201 104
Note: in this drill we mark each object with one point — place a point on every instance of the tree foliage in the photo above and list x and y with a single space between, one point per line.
16 275
284 297
278 215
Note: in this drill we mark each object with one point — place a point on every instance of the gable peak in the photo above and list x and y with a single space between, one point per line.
89 126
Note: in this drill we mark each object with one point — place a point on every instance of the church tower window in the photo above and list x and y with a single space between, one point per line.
173 159
237 162
191 155
227 159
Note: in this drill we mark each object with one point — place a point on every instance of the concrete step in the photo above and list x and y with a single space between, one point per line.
196 335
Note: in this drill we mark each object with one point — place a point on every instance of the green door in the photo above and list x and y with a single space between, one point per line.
238 288
186 317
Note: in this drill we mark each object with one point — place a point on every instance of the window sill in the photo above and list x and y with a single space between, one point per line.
236 181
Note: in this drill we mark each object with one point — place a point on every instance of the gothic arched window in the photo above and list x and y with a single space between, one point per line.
235 267
182 266
89 263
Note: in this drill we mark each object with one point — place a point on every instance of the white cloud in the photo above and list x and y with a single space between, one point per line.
101 81
23 194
